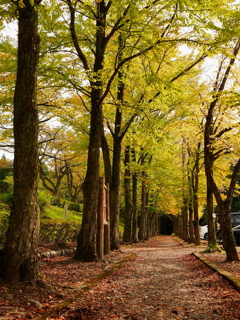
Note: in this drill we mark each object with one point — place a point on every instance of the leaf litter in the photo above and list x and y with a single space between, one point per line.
162 281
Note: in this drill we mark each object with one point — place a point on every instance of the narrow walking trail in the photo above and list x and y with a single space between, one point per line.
163 281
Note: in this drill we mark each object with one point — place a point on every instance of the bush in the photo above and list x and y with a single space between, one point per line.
74 206
52 231
58 202
4 221
8 199
5 187
55 201
43 200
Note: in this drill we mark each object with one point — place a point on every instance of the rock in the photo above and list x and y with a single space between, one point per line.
35 303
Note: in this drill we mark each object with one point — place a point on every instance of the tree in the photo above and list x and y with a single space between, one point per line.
20 250
94 64
62 166
213 134
127 235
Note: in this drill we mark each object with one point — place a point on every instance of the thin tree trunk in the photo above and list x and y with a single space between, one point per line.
114 193
20 251
127 235
106 159
195 185
190 214
185 220
135 208
142 234
190 211
212 237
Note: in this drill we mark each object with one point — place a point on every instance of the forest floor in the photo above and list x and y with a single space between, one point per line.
157 279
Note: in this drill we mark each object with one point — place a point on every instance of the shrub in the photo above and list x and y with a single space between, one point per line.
8 199
43 200
5 187
4 221
74 206
58 202
55 201
52 231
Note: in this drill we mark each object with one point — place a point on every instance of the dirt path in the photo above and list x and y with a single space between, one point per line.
163 281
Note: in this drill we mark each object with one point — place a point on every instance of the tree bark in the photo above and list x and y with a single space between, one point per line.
190 210
127 235
143 230
190 214
20 250
195 185
135 208
226 232
106 159
212 237
116 163
114 192
184 212
86 242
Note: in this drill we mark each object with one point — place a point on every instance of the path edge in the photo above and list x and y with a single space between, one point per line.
235 281
87 285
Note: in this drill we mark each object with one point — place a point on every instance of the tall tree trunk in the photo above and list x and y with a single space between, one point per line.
196 220
86 243
190 210
195 185
116 164
190 214
114 192
127 235
142 234
226 231
135 208
20 250
106 159
185 193
153 224
185 220
134 201
176 225
212 237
